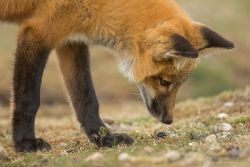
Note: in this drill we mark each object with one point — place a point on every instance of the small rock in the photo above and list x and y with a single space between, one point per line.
193 145
233 151
222 116
173 156
174 135
197 135
161 135
228 104
123 157
3 154
224 135
148 149
95 157
211 139
224 127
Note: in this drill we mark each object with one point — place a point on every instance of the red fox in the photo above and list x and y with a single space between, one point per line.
156 42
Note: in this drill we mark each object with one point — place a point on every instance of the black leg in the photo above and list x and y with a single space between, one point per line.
30 60
74 64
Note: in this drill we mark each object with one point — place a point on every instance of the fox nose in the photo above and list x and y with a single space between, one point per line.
167 120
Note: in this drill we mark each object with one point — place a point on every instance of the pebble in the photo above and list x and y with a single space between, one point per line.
224 127
148 149
211 139
95 157
193 145
234 152
174 135
161 135
3 154
197 136
228 104
225 135
123 157
222 116
173 156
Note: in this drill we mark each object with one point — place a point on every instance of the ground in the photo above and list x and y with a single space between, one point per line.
212 131
207 132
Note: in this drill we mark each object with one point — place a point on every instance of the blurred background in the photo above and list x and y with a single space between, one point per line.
216 73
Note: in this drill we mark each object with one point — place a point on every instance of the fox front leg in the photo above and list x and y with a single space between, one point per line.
75 68
30 59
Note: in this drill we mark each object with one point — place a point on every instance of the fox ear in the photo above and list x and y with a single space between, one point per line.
180 47
211 39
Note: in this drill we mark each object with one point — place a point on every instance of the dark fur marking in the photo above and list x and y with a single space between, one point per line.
84 100
215 40
183 47
30 60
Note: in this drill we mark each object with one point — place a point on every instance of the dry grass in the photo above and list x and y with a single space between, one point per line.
195 120
230 70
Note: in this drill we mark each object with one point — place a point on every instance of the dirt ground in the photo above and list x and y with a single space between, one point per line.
207 132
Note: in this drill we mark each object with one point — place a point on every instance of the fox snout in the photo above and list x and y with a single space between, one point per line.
162 110
160 107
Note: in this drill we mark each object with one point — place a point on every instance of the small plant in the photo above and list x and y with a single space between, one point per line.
243 120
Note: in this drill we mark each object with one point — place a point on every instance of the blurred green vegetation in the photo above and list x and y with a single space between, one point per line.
215 73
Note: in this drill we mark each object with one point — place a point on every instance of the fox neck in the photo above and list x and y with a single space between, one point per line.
124 55
123 52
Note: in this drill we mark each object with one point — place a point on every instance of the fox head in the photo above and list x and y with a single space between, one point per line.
166 57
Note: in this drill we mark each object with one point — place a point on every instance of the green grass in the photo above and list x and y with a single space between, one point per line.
194 121
241 120
217 73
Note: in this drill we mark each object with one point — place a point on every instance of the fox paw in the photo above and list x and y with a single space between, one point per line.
112 140
32 145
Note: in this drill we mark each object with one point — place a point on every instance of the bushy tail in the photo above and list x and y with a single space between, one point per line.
16 10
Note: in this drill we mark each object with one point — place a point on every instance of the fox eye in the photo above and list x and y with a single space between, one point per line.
164 82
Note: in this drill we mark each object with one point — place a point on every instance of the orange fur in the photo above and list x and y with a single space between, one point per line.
140 31
16 10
